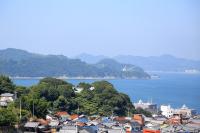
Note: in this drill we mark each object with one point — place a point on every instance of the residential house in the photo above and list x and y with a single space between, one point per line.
5 98
77 89
167 111
185 111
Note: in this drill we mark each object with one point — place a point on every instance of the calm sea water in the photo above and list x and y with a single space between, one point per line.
173 89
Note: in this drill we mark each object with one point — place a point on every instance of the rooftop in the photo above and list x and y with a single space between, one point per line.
7 95
32 124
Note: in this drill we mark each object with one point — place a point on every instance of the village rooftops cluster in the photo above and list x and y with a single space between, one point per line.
183 119
168 111
62 122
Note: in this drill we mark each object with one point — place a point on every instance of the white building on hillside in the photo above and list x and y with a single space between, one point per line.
77 89
167 111
5 98
185 111
92 88
149 106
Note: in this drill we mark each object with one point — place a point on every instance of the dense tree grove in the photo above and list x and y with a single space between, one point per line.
6 85
7 117
51 95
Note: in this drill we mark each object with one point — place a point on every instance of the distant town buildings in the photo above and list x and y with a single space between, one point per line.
148 106
168 111
185 111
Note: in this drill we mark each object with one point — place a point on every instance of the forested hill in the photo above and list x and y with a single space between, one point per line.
15 62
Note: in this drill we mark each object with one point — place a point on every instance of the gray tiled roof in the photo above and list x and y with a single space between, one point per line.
7 95
32 124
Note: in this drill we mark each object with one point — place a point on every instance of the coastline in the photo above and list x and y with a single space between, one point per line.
64 78
78 78
172 72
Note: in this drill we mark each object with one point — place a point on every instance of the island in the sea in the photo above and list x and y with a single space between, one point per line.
20 63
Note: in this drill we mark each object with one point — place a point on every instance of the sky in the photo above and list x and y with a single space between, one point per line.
102 27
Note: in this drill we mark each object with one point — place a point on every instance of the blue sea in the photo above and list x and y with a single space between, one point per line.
175 89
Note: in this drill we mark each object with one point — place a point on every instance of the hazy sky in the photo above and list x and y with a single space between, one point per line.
108 27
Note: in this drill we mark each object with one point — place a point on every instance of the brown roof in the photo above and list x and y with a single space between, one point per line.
61 113
74 116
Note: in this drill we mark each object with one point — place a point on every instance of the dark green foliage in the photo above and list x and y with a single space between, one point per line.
84 85
62 104
37 107
21 90
102 85
53 81
66 91
104 100
6 85
57 95
14 62
50 94
7 117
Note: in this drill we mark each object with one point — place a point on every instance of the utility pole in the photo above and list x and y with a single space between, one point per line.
128 112
33 109
78 109
20 109
112 113
76 127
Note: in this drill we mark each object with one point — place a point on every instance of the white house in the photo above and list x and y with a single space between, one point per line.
184 110
91 88
167 111
78 89
5 98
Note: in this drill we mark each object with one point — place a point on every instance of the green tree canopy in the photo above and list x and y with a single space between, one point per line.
104 100
7 117
58 95
53 81
21 90
6 85
84 85
62 104
66 91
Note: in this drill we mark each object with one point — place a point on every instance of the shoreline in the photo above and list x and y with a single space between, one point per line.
78 78
172 72
106 78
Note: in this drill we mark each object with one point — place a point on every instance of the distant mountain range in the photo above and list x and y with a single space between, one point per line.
15 62
166 63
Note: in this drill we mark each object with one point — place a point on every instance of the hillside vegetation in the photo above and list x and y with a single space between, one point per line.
51 95
14 62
